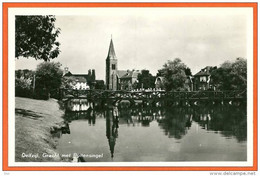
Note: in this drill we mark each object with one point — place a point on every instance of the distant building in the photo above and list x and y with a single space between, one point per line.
202 79
159 82
127 79
118 79
189 83
81 84
82 81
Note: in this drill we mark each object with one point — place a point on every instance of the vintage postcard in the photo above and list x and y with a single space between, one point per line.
130 86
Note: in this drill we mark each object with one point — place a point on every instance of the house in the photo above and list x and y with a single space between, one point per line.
118 79
159 82
81 81
202 79
81 84
126 80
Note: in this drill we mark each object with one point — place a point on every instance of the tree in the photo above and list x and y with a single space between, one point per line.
174 73
188 72
221 78
145 80
100 84
24 83
35 36
239 73
231 75
48 79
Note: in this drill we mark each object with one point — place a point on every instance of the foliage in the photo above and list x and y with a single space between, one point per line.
239 70
100 84
24 73
231 75
145 80
126 85
48 79
35 36
174 73
188 71
68 82
23 83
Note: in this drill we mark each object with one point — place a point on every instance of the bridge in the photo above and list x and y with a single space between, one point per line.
153 96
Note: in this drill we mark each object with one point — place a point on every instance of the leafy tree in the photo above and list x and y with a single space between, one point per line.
231 75
188 72
35 36
100 84
174 73
221 78
24 83
48 79
68 82
145 80
239 72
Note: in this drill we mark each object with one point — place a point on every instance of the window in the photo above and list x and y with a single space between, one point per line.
113 66
203 79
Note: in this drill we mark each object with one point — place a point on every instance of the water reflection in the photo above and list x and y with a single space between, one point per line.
173 123
229 121
176 123
112 128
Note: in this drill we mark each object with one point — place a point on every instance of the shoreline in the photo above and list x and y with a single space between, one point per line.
34 120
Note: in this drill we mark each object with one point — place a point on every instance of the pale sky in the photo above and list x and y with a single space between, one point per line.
147 40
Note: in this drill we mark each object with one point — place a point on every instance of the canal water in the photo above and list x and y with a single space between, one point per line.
125 134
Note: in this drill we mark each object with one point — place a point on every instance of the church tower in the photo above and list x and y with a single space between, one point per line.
111 68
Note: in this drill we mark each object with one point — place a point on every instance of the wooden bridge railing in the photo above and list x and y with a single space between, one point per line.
159 94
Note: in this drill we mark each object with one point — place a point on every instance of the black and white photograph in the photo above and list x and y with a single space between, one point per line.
132 86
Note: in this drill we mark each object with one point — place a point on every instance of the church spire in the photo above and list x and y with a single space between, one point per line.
111 51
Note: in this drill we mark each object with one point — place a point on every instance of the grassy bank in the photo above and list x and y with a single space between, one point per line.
33 120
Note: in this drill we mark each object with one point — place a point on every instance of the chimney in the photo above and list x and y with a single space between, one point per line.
93 75
66 70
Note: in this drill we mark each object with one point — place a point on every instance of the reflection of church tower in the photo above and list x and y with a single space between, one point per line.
111 130
111 68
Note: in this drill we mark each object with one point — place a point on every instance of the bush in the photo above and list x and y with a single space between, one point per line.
23 83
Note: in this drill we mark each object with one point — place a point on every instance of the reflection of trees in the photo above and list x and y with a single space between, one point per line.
62 129
175 123
230 121
89 115
142 116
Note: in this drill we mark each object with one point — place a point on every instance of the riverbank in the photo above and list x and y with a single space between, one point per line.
33 122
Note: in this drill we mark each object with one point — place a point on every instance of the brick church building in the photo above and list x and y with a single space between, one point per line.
118 79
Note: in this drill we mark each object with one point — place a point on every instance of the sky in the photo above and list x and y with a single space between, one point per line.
147 39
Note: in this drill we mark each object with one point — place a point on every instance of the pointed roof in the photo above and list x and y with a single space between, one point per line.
129 74
112 143
111 52
204 72
121 73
